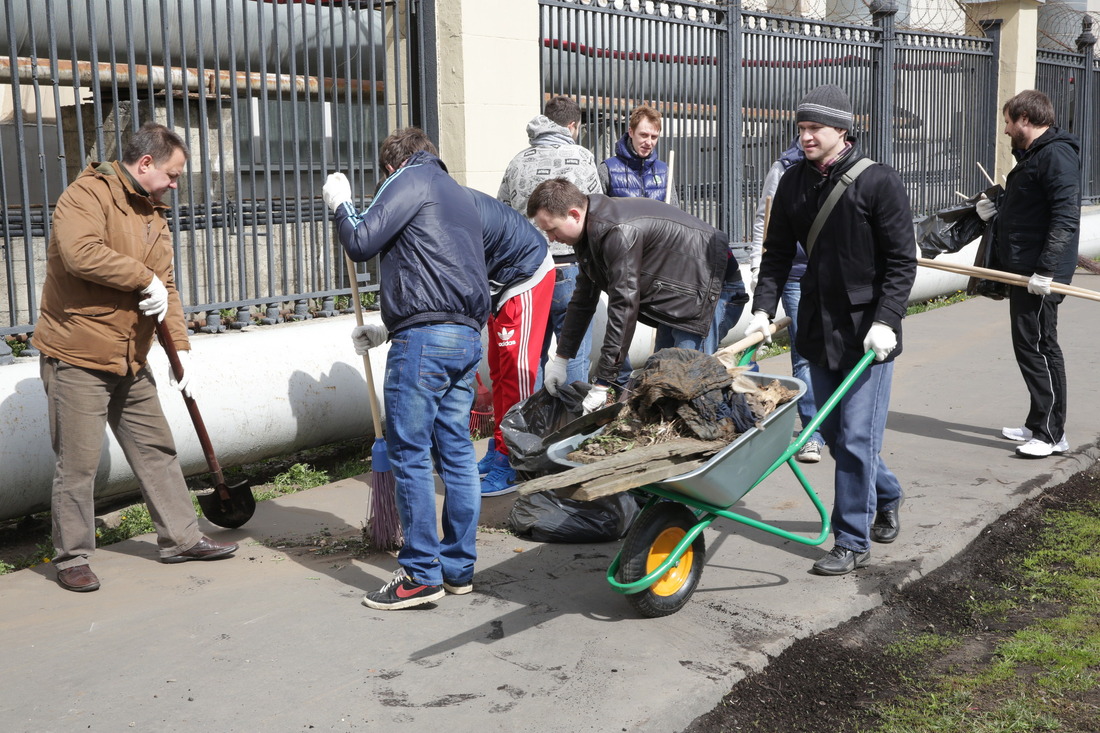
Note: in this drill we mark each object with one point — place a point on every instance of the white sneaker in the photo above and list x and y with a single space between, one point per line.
1017 434
1036 448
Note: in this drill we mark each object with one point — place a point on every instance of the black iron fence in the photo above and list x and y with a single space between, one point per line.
270 96
1072 81
924 102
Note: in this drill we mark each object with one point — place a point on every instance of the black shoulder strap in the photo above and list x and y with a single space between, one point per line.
846 179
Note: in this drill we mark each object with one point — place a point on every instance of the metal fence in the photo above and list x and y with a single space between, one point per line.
668 55
270 96
1072 81
924 102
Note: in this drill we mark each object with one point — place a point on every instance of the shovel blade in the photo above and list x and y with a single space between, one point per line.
228 506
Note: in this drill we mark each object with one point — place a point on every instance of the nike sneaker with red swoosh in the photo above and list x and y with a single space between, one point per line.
402 592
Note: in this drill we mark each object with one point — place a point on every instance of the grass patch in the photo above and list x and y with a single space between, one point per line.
1039 676
270 479
938 302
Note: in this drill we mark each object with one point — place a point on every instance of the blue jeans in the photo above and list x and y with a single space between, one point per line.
579 365
853 431
807 408
429 391
726 315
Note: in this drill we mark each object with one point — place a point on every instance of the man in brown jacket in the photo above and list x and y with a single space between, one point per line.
108 276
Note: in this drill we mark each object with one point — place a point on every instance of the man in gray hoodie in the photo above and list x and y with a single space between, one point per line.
554 153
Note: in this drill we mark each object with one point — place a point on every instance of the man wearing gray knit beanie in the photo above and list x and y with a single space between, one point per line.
827 105
860 268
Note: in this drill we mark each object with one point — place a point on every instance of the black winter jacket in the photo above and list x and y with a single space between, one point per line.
860 270
1039 214
657 264
427 232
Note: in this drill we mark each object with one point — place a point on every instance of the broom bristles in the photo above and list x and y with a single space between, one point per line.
383 523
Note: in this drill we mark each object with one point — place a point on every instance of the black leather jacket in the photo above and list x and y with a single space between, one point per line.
657 264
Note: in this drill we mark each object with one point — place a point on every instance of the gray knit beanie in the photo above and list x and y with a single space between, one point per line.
827 105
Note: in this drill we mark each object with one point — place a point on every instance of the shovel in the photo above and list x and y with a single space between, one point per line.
225 506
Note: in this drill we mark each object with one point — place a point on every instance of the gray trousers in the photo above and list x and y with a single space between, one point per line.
81 402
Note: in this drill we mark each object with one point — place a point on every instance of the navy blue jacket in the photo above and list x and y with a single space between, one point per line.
427 232
1039 214
630 175
514 249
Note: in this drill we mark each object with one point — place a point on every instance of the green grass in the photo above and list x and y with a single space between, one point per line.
1034 674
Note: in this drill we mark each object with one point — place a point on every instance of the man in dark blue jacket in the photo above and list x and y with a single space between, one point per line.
854 294
435 300
1036 234
521 281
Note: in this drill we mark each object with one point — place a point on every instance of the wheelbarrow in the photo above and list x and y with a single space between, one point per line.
662 557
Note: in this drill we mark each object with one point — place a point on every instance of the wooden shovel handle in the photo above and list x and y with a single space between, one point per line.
751 340
192 407
1009 278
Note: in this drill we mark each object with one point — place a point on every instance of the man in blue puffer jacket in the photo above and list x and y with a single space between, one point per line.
634 170
426 231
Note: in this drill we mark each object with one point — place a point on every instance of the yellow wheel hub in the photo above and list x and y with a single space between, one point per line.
677 575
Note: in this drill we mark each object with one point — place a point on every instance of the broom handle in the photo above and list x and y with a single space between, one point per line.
1007 277
375 410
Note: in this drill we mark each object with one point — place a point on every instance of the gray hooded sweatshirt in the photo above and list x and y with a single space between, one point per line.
553 154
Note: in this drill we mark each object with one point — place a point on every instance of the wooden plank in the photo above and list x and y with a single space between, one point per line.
648 474
683 448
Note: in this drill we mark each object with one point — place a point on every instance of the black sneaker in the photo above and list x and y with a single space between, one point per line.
402 592
841 561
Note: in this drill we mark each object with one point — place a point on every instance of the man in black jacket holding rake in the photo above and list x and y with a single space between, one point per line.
1035 233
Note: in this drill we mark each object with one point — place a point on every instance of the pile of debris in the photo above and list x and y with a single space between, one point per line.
685 394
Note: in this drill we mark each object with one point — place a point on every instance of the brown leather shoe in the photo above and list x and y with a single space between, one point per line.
79 578
204 549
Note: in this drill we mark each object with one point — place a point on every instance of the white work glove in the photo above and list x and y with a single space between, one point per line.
336 191
368 336
595 399
762 324
881 339
184 384
986 209
156 299
554 373
1039 284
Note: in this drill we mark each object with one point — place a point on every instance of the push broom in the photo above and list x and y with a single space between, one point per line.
383 528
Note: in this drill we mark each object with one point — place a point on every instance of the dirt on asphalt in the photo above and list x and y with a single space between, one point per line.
833 680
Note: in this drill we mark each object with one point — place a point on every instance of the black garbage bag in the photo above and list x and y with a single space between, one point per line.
951 229
527 425
948 230
547 517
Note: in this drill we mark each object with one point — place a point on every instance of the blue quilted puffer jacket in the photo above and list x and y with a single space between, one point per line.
631 175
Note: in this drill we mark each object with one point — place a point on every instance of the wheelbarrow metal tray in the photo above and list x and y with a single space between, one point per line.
731 472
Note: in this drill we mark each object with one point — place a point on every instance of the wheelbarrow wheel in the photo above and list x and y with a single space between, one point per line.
650 541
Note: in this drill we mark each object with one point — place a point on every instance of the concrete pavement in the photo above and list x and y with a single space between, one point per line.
275 639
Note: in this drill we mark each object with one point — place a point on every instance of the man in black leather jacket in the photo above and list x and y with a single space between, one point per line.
657 264
1035 233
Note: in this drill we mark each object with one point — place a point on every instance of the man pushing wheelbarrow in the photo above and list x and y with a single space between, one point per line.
852 217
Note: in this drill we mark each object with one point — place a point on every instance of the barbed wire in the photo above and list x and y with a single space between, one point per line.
1059 24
